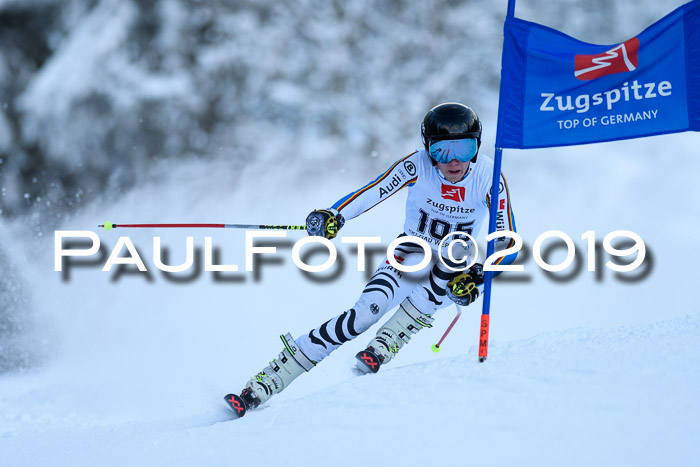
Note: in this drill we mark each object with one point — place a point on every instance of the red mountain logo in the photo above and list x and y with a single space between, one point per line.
454 193
619 59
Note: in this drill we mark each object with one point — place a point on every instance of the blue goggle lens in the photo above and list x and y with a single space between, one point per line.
447 150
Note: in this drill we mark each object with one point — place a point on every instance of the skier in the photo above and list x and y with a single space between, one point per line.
449 191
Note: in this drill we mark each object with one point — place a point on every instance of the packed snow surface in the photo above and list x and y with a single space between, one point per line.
586 396
591 370
130 368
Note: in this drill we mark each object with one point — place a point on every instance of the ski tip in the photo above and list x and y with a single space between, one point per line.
237 404
482 359
368 362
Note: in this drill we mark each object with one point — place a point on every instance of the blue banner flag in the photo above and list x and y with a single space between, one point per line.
559 91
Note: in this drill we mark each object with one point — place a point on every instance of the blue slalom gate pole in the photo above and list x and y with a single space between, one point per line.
488 275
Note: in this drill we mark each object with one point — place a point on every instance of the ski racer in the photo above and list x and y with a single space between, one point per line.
449 190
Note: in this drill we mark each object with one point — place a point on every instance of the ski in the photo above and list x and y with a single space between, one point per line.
368 361
243 403
237 404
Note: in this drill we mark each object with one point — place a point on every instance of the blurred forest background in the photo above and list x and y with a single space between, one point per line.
93 93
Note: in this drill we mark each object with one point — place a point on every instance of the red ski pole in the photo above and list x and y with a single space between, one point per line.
109 226
436 347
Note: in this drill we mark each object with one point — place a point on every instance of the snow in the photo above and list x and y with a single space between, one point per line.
579 372
116 368
587 396
79 59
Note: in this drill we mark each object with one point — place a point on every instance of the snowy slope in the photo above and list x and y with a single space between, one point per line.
624 396
594 370
134 370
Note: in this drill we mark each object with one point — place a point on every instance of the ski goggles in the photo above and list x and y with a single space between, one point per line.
446 150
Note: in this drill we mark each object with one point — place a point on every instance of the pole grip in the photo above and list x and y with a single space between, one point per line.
484 337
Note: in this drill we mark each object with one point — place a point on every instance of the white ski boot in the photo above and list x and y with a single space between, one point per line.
281 371
392 336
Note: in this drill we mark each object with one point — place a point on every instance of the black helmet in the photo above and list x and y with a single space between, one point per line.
450 121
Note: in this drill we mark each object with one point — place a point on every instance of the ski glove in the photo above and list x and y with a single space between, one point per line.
324 223
464 288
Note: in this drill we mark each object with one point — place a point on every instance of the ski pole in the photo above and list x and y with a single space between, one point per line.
109 226
436 347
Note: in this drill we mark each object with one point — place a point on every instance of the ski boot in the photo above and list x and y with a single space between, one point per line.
281 371
392 336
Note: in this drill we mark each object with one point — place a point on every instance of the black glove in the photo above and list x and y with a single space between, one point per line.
463 288
324 223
